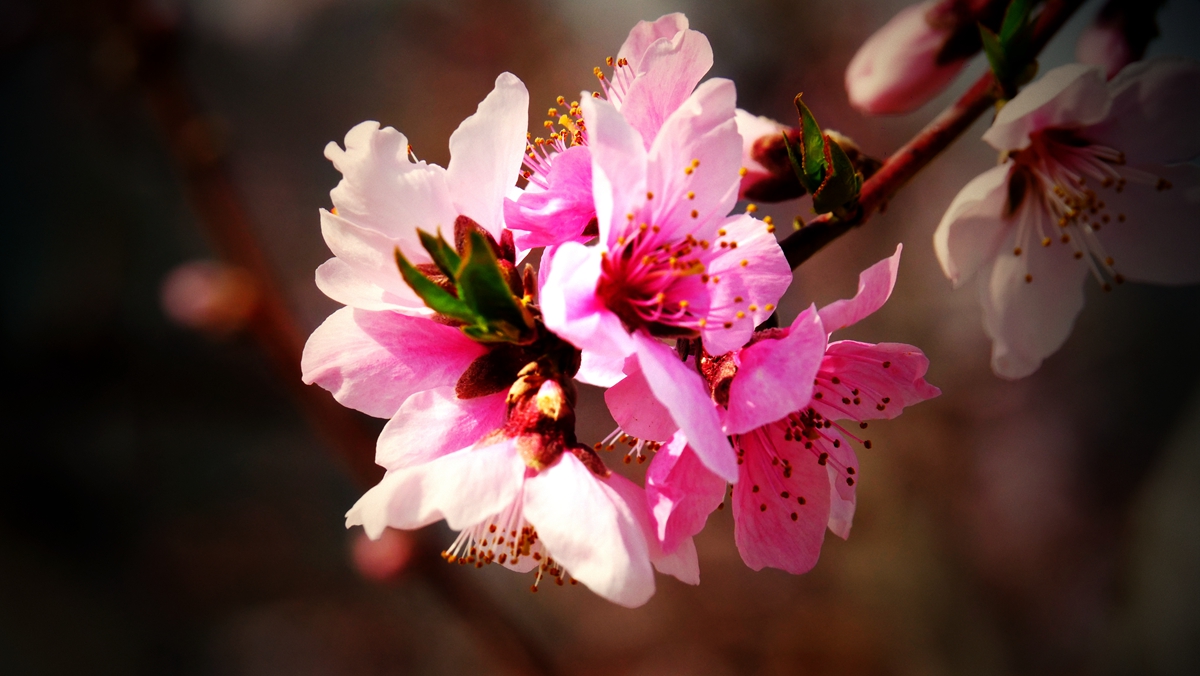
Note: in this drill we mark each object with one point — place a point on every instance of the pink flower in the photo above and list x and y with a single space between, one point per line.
670 263
787 398
1087 187
654 72
914 56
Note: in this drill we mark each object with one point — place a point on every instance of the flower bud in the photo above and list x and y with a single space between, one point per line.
915 55
1120 34
768 175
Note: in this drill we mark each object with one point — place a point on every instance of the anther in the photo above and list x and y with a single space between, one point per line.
1028 279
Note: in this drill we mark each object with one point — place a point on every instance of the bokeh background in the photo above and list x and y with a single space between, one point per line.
171 498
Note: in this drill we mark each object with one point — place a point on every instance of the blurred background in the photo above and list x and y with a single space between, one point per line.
171 497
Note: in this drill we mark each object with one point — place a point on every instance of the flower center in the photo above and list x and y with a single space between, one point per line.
1068 178
507 539
653 284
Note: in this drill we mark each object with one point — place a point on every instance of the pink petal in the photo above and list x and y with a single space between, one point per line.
842 494
559 213
632 404
874 288
599 370
373 361
591 530
486 152
668 71
681 492
680 389
1153 115
571 308
702 128
1069 96
381 189
972 227
435 422
618 167
464 488
646 33
896 69
365 274
681 563
770 536
1159 241
883 391
1029 321
760 282
775 377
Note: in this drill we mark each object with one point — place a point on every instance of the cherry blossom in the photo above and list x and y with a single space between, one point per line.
791 402
1090 185
655 71
670 262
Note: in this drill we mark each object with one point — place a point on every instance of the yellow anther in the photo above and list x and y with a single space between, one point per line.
745 262
703 323
754 308
1045 241
553 112
741 315
608 60
695 163
768 307
691 195
560 101
768 220
721 232
683 304
743 171
751 208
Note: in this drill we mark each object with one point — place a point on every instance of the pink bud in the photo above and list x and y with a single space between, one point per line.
209 296
1104 45
910 60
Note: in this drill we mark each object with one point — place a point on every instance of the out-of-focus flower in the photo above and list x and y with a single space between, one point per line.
1119 35
786 398
670 263
1086 188
914 56
384 558
209 296
654 72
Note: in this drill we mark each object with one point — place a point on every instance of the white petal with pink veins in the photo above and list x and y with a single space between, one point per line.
667 73
618 167
435 422
486 152
366 275
973 226
590 529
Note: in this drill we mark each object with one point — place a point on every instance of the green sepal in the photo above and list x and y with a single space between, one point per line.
843 183
1016 19
444 256
484 289
436 298
1009 51
812 148
821 165
994 49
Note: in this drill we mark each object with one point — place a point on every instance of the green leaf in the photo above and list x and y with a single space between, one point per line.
1016 17
994 48
482 286
444 256
812 148
841 185
436 298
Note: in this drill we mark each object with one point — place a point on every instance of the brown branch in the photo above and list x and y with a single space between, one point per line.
918 152
221 213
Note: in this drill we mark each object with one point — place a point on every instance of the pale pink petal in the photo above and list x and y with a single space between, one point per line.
681 563
1159 240
632 404
874 288
702 128
618 167
972 227
435 422
560 212
667 73
366 275
684 394
590 529
1070 96
1104 45
486 152
383 190
862 381
373 361
1153 115
599 370
681 492
751 128
755 271
775 377
1029 321
571 308
779 520
464 488
842 493
646 33
896 70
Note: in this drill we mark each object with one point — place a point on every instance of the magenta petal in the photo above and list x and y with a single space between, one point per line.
680 389
681 562
591 530
571 308
756 271
779 521
882 391
561 211
632 404
874 288
464 488
681 493
432 423
774 377
373 361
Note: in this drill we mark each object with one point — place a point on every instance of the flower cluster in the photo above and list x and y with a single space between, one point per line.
649 285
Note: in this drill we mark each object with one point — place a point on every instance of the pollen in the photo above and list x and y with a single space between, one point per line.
754 308
691 195
745 262
751 208
743 171
741 315
768 307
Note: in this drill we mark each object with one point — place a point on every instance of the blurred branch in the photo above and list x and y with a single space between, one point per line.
205 177
920 151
